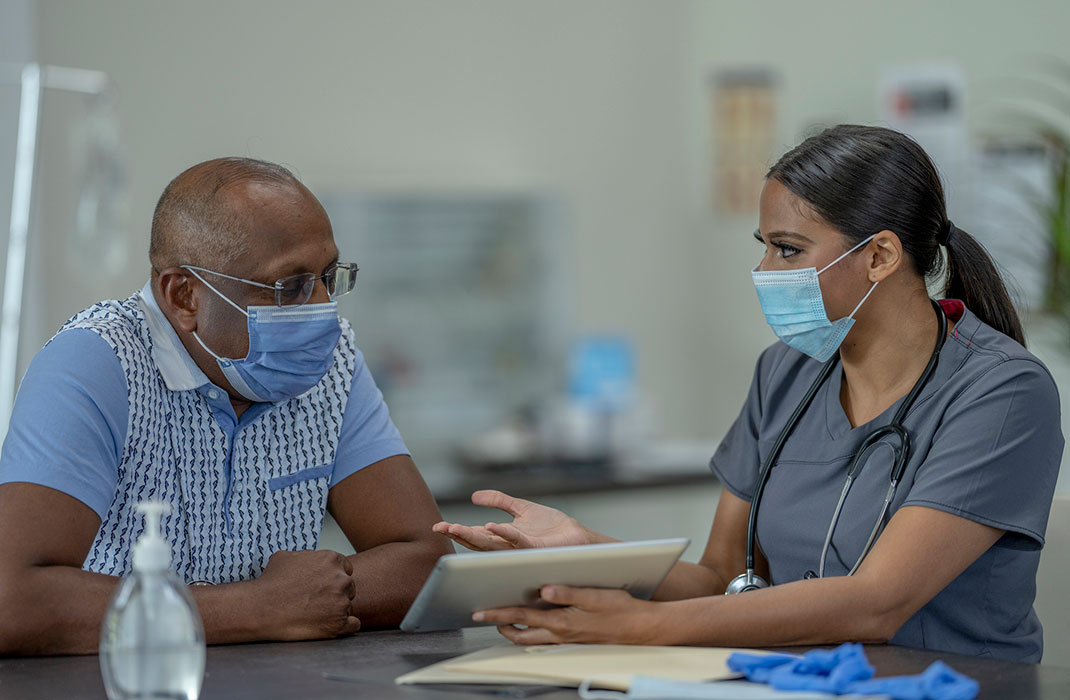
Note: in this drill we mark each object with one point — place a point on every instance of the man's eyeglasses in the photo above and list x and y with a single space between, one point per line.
295 290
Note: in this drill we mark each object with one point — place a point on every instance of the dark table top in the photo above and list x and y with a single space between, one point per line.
366 664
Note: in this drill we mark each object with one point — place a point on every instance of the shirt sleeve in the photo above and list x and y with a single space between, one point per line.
68 424
735 463
995 456
368 434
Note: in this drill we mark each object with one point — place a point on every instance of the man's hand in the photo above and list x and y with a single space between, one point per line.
533 525
309 594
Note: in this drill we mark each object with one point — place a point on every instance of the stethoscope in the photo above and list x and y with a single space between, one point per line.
749 581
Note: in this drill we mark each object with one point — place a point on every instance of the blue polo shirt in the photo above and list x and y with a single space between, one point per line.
71 423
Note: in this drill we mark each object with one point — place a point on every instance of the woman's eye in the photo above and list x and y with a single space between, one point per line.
786 251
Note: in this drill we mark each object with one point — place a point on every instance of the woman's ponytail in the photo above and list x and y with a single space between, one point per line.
973 278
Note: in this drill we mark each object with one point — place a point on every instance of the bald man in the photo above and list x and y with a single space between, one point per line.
228 388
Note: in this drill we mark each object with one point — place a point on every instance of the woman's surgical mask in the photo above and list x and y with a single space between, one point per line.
794 308
291 348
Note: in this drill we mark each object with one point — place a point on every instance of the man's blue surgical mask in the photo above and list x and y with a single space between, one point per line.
291 348
793 307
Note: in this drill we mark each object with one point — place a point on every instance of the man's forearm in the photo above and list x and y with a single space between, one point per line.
59 610
53 610
388 577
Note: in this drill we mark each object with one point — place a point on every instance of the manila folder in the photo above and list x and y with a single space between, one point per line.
606 665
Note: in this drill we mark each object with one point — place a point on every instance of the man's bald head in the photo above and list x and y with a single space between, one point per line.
196 224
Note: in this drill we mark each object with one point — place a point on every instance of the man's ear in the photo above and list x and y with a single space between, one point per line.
884 255
176 298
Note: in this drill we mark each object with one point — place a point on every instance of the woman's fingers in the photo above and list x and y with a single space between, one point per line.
531 635
502 501
584 598
529 617
511 534
475 538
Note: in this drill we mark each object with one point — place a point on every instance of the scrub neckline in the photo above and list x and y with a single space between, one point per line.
839 425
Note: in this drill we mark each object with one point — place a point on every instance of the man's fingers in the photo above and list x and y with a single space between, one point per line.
352 625
347 566
351 589
499 500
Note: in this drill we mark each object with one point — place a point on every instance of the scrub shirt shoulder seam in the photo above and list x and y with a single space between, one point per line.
973 347
1004 359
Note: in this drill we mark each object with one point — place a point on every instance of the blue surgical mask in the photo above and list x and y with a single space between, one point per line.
793 307
291 348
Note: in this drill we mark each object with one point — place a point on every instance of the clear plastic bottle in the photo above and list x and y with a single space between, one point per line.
152 640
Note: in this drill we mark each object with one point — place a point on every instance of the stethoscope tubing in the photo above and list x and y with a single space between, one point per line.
898 467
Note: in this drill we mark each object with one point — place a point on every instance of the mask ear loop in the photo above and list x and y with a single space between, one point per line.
834 261
852 314
208 349
221 294
224 298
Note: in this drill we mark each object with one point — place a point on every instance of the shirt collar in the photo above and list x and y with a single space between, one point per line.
179 371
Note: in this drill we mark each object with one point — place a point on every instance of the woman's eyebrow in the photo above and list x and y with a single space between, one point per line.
787 234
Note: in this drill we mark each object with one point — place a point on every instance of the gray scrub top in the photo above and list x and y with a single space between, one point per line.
986 444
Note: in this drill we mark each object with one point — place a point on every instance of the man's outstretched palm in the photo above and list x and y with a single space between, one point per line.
533 525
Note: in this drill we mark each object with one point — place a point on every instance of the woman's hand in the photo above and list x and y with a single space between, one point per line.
533 525
593 616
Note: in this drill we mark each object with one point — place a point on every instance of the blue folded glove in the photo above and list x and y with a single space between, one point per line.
846 670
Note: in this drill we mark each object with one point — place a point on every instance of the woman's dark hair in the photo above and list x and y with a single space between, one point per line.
865 179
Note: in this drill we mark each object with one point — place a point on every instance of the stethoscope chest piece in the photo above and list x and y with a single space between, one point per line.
743 583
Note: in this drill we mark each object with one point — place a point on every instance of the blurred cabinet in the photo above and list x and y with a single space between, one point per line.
457 308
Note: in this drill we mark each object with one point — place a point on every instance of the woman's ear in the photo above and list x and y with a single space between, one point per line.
884 255
176 298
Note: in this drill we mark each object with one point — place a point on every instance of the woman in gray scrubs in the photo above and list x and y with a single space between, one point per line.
853 224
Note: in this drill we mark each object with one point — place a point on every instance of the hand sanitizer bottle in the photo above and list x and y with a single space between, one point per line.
152 640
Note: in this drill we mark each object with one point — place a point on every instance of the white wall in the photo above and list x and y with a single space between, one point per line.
577 99
603 102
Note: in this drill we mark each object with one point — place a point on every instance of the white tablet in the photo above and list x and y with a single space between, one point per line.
461 584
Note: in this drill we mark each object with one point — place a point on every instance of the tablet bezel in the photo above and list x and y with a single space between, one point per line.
462 583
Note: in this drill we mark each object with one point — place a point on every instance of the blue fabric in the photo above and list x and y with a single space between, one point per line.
846 670
368 433
281 482
69 423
